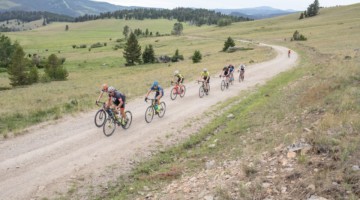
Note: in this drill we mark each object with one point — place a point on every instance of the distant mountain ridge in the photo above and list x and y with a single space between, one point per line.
257 12
72 8
75 8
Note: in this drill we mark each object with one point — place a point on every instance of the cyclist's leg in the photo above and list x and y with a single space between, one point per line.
122 108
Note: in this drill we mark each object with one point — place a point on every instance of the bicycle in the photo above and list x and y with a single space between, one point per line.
110 120
177 90
151 111
224 83
202 90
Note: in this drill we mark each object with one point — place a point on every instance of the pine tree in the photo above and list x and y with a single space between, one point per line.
6 51
126 31
18 68
196 57
132 51
228 43
148 55
177 29
301 16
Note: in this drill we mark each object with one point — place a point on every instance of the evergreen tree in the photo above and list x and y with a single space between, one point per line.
177 29
301 16
66 27
313 9
6 51
176 57
18 68
132 51
196 57
228 43
148 55
126 31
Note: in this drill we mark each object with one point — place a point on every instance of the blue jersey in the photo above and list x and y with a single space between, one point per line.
158 89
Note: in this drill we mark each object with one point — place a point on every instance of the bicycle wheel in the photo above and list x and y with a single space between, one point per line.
109 126
183 90
201 91
162 109
149 114
100 118
173 94
128 120
223 85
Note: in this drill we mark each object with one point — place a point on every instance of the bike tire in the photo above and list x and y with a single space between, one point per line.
183 90
109 126
173 94
100 118
223 85
128 120
149 114
201 92
162 109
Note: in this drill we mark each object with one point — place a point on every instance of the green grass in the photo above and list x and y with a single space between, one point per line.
321 94
88 70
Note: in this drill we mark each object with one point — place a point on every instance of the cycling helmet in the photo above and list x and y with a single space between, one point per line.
176 72
111 89
205 70
105 87
155 84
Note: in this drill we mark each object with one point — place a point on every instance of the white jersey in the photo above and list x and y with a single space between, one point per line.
242 67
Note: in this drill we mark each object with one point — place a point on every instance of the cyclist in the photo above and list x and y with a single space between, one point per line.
242 71
159 93
117 101
180 78
205 76
226 73
104 88
231 71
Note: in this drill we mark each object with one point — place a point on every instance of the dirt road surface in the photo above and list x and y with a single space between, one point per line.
48 158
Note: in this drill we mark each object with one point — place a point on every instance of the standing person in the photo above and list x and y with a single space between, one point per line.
104 88
205 76
117 100
159 92
242 72
289 52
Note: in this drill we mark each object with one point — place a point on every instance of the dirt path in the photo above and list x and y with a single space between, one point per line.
51 156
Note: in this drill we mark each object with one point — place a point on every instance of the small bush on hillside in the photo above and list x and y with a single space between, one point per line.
228 43
298 37
74 46
82 46
97 45
196 58
177 57
54 68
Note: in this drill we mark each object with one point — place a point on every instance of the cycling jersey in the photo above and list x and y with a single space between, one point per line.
158 91
180 78
205 74
118 98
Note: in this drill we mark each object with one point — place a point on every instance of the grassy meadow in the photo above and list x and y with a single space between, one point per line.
317 102
89 69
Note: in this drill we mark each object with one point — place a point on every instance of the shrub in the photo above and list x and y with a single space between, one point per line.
82 46
298 37
196 58
33 75
54 68
97 45
228 43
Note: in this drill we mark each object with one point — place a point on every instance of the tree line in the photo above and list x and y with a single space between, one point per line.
28 16
195 16
311 11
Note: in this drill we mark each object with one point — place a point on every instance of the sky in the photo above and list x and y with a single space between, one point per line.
233 4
